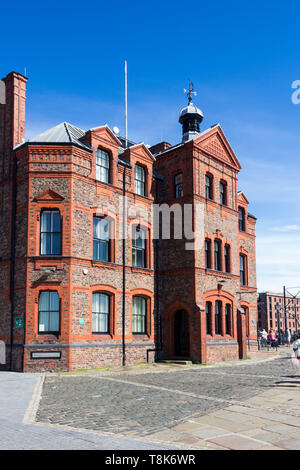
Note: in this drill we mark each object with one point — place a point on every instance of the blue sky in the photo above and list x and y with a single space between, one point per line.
241 56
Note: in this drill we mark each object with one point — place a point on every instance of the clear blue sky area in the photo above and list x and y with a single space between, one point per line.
241 56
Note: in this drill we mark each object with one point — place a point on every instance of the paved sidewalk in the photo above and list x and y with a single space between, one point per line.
252 404
16 391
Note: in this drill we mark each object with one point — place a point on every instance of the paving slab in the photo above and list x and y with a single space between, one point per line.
289 444
238 442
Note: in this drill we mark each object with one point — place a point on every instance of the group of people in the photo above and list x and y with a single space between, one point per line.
274 338
264 338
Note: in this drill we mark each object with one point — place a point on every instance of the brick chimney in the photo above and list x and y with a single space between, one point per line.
12 117
160 147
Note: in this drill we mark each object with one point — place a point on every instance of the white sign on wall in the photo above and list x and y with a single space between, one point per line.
2 353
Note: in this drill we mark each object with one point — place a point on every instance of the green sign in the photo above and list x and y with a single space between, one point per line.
19 322
81 321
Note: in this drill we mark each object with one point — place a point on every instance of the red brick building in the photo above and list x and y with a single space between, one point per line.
73 292
268 314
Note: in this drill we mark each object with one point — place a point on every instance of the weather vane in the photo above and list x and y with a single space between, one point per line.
190 91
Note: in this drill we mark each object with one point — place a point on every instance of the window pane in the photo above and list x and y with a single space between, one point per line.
43 321
46 221
102 166
139 315
56 244
208 314
44 301
54 321
45 243
103 323
103 251
55 221
217 317
101 306
104 303
54 301
95 249
139 183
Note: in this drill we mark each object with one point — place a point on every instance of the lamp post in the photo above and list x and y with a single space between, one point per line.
278 308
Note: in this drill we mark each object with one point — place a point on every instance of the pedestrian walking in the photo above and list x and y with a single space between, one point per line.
272 338
259 338
264 338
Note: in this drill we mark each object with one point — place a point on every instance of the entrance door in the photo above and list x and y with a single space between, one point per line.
181 334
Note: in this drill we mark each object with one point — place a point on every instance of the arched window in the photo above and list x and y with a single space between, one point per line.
139 314
101 239
139 247
218 314
217 253
178 184
228 319
102 166
101 312
227 258
223 193
243 270
208 186
208 317
139 180
241 219
50 240
49 308
208 253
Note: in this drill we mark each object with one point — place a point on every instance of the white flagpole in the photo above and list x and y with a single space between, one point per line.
126 135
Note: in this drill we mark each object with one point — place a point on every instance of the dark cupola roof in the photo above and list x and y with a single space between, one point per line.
190 118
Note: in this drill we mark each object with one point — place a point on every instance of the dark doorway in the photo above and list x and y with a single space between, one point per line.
181 334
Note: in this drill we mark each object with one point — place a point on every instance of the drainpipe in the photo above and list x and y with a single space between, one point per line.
125 164
12 259
156 289
124 271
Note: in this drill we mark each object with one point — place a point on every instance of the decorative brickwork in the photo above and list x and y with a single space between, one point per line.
62 178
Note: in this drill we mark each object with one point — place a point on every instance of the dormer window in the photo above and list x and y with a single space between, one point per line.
241 219
102 166
178 185
139 180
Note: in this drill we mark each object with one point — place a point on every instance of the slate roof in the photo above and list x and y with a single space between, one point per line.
62 133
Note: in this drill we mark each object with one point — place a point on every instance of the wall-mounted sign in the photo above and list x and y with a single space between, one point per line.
81 321
46 355
19 322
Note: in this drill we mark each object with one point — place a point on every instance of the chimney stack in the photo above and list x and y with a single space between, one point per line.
12 117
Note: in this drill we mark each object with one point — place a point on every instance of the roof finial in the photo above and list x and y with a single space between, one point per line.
190 91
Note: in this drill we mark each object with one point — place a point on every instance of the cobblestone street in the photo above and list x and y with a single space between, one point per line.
180 405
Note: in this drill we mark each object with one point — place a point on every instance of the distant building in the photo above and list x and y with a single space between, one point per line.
267 314
64 303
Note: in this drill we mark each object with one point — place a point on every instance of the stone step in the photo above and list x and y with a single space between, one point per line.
184 362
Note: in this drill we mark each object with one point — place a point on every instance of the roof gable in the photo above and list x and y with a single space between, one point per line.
242 198
142 151
104 133
215 144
